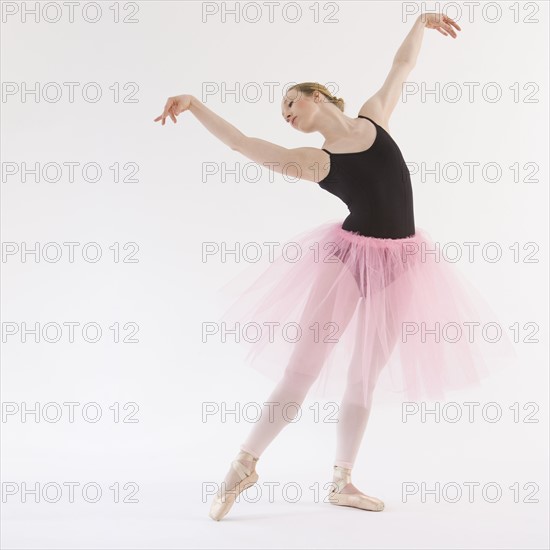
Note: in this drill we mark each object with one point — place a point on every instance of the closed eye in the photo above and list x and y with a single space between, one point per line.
289 106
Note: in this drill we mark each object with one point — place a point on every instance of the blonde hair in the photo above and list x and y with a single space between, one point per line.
308 88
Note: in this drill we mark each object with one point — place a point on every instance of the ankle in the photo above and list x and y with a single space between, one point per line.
339 472
245 455
341 477
247 459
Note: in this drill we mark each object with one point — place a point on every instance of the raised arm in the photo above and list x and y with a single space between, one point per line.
381 105
308 163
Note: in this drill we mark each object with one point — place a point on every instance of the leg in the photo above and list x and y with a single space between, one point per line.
306 361
355 411
356 404
303 369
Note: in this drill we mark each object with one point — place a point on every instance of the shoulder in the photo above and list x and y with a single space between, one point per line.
377 116
314 163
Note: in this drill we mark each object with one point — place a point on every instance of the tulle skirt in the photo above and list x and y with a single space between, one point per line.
336 309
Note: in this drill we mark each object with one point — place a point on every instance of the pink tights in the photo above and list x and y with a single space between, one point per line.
293 387
282 407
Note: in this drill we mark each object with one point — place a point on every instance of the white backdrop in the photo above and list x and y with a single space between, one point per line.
153 453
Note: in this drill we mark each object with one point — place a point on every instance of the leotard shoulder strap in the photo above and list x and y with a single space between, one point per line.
358 116
361 116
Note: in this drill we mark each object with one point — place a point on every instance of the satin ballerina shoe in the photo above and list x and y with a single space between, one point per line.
342 477
239 478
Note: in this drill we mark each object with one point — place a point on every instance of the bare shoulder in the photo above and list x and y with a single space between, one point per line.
378 117
304 163
308 163
374 108
313 163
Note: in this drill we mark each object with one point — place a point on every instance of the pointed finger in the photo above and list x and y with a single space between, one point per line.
450 30
167 108
453 23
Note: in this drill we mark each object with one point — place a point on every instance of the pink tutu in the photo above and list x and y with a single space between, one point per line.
340 308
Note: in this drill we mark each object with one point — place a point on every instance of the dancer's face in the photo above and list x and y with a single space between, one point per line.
299 110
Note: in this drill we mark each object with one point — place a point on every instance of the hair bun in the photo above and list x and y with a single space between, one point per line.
309 88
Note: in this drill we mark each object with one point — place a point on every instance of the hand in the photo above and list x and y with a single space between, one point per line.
440 22
174 106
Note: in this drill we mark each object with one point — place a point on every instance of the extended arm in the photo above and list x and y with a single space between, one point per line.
381 105
300 162
215 124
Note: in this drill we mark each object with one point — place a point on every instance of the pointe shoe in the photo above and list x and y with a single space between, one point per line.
342 477
225 498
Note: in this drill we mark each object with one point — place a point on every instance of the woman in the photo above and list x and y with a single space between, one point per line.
369 281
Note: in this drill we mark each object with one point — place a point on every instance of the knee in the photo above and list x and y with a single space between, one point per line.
359 395
298 381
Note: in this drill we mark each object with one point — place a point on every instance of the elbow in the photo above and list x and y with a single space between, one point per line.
237 144
405 61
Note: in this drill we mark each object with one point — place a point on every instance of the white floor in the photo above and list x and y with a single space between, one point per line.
181 522
173 513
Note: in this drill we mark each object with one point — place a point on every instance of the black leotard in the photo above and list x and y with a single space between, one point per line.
376 186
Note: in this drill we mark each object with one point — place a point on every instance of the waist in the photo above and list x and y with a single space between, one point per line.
381 227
